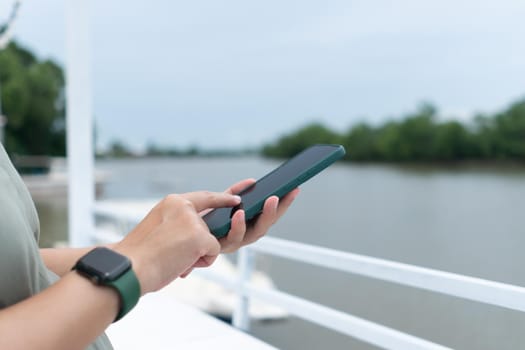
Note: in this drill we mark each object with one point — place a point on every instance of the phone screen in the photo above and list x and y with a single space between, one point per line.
278 182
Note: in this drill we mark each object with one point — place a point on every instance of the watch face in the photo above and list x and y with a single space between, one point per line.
103 264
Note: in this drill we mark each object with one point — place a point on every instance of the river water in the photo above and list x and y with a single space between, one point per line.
459 219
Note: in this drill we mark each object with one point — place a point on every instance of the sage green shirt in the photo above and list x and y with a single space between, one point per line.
22 271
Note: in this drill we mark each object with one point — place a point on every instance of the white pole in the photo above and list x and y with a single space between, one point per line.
79 124
7 32
3 120
241 313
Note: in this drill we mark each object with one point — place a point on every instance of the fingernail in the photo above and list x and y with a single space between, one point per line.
241 215
237 198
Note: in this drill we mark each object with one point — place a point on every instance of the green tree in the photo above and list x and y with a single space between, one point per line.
294 143
361 143
389 142
417 133
510 131
483 137
451 142
32 94
118 149
420 137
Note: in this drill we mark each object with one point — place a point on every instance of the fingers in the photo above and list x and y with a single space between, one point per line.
234 239
241 234
266 219
203 261
206 199
272 211
286 201
207 260
200 197
239 186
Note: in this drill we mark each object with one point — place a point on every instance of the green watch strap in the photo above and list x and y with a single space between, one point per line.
128 287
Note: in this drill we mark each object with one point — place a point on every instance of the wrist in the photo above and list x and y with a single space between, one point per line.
106 267
111 297
137 263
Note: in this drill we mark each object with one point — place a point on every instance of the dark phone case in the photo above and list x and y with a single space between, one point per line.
306 174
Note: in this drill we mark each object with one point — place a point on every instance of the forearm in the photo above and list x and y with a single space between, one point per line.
68 315
61 260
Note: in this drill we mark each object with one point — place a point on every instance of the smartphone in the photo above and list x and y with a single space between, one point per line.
278 182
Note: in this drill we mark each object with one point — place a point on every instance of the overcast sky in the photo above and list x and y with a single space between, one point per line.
240 73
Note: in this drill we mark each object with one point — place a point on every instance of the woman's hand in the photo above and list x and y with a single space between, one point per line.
173 238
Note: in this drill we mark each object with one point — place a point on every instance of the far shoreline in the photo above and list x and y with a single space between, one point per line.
488 164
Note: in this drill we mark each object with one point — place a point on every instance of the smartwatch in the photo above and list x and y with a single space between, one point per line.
106 267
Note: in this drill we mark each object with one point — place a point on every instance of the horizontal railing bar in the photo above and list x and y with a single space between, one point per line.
350 325
116 212
344 323
105 235
471 288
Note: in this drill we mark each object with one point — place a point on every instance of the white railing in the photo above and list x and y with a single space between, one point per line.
475 289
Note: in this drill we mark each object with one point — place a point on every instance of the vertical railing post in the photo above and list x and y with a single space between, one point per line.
3 119
79 123
245 265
